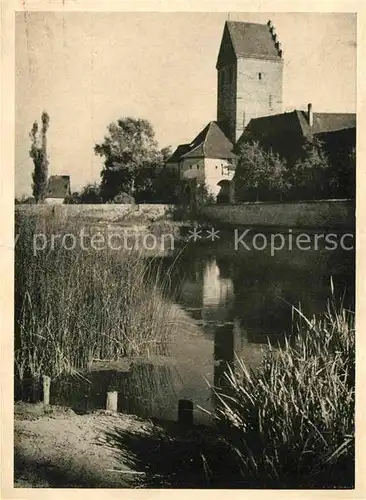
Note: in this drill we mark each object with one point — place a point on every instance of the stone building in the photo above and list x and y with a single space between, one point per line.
249 75
208 158
249 107
250 63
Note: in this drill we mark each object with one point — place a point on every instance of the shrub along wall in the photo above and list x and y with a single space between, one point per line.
108 212
328 214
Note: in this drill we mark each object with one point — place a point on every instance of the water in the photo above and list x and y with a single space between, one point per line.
227 302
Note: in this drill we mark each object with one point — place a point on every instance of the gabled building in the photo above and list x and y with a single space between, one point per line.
249 107
285 133
209 158
249 75
58 189
249 63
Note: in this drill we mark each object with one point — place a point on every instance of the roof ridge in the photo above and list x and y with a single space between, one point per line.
205 139
232 39
191 150
244 22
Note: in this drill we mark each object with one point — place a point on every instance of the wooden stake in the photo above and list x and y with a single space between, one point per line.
46 389
112 401
185 412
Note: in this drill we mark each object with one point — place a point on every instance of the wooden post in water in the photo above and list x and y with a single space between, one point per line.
112 401
185 412
46 389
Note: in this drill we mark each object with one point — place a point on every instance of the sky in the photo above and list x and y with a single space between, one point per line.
87 69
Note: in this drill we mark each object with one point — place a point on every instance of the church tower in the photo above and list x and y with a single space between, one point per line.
249 75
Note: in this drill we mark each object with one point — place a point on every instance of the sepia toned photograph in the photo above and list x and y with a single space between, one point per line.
184 254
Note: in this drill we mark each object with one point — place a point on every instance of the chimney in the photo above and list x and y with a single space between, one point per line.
310 114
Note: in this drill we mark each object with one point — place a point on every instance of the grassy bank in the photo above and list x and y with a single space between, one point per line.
290 423
73 306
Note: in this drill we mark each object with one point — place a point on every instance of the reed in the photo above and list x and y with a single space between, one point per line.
290 423
75 306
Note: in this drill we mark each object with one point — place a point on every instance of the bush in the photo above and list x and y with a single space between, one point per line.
290 423
192 198
124 198
72 306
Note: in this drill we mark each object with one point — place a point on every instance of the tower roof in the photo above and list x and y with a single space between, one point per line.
211 142
248 40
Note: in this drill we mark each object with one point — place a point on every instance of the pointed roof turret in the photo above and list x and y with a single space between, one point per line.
248 40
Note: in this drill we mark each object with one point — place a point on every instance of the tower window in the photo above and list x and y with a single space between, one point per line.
259 76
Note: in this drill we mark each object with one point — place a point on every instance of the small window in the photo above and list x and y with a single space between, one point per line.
190 166
259 76
270 101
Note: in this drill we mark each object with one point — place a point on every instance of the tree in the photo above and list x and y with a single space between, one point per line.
130 152
166 185
166 153
311 175
191 197
90 194
343 171
72 199
38 153
260 174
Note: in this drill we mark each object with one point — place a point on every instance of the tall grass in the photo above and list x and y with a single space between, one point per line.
290 423
75 306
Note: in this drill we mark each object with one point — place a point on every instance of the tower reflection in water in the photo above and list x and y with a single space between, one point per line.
218 315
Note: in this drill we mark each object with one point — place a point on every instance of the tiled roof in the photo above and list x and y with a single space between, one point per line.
297 122
177 155
211 142
326 122
58 186
248 40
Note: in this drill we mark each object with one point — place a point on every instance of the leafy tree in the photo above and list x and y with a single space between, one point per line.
166 186
73 199
123 198
260 174
38 153
311 175
343 173
192 196
24 199
130 153
90 194
166 153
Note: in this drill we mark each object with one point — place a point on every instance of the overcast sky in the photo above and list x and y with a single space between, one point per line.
88 69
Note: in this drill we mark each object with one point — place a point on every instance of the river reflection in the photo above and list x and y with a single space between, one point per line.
227 303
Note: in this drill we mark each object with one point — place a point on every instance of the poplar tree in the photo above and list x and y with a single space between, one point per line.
38 153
